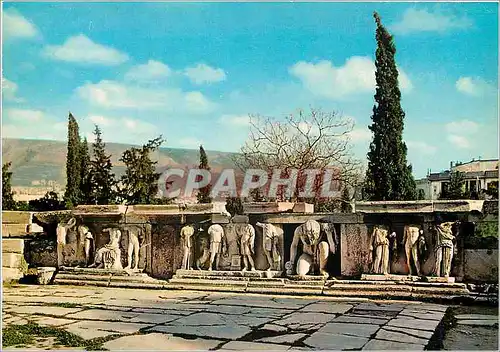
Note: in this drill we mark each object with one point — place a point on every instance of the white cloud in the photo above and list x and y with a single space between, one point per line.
308 128
473 86
203 73
462 127
420 147
9 90
17 26
235 120
190 142
355 76
151 71
101 120
117 95
360 135
81 49
459 141
24 115
139 126
415 20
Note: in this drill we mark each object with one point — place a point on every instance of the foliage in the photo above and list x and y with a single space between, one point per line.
388 176
8 202
103 183
456 187
234 206
346 201
203 194
420 194
15 335
492 190
139 184
73 164
307 140
49 202
85 176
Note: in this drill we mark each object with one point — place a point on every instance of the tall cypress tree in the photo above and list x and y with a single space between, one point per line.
73 164
85 175
8 202
102 179
388 176
203 195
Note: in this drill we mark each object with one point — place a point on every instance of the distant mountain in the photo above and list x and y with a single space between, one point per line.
36 160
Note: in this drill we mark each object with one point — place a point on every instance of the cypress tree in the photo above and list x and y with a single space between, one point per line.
139 184
85 175
102 178
8 202
73 164
388 176
203 195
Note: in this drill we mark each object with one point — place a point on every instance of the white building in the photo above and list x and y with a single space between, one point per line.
478 174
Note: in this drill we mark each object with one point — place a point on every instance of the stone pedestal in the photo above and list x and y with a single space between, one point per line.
406 278
227 274
449 280
44 275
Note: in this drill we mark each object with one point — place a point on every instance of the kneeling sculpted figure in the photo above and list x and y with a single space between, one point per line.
109 256
380 243
217 246
270 245
315 251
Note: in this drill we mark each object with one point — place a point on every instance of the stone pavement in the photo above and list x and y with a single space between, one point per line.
188 320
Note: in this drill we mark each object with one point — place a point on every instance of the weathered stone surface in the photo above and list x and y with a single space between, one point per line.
254 346
47 310
304 264
373 345
231 332
12 260
481 322
304 320
323 341
476 317
92 329
98 314
420 324
287 339
16 217
390 277
449 280
49 321
355 253
159 342
274 327
359 320
12 245
45 275
361 330
383 334
413 332
328 307
481 264
419 314
9 274
382 307
213 319
154 318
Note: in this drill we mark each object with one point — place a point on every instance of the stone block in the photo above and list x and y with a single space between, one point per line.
303 208
44 275
240 219
335 342
479 322
14 230
390 277
391 346
355 253
35 228
16 217
160 342
10 274
448 280
12 260
12 245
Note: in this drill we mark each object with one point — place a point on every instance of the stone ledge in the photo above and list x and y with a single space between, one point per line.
419 206
12 245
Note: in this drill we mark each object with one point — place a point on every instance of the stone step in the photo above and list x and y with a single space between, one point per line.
92 271
66 276
58 281
204 282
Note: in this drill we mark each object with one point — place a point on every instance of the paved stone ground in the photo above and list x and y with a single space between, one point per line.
187 320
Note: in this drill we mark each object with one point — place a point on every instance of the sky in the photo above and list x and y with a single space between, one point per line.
193 72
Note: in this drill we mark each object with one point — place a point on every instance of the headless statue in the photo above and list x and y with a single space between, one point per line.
270 239
380 243
246 234
444 248
61 235
412 238
315 251
87 241
186 235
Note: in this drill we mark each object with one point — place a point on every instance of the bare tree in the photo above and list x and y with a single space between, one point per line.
303 141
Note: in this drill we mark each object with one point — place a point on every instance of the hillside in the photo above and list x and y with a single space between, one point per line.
35 160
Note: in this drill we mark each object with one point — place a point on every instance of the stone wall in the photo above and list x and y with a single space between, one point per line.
14 264
481 265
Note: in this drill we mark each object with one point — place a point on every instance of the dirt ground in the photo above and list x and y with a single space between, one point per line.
465 337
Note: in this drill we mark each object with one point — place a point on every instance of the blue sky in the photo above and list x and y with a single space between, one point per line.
194 71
